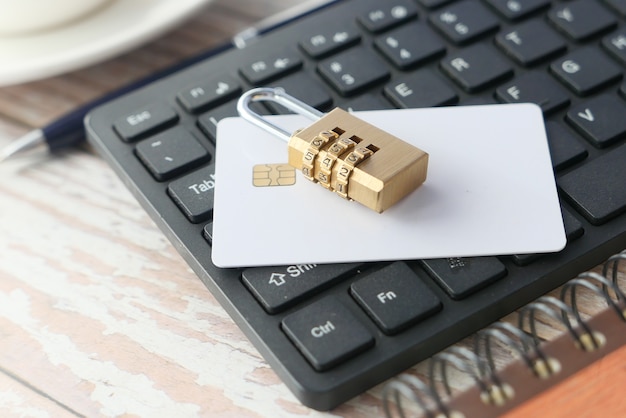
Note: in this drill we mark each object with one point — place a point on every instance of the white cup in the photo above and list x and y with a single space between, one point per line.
19 17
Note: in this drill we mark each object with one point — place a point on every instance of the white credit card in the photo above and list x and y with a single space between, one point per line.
490 190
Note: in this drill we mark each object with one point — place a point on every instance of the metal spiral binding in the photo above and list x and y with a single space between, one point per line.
415 390
523 339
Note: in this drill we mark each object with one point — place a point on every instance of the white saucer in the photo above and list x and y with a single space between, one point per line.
119 27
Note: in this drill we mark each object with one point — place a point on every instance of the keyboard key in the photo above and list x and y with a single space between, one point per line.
395 297
565 148
460 277
400 46
201 96
534 87
531 42
518 9
329 41
601 120
464 22
386 16
302 86
596 189
581 19
352 71
171 152
145 121
420 89
327 333
586 70
616 44
209 120
476 67
263 70
278 288
194 193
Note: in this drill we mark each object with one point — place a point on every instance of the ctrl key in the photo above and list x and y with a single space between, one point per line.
327 333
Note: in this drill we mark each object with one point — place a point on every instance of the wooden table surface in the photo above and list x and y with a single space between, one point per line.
99 315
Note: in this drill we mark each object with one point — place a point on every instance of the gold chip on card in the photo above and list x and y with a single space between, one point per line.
270 175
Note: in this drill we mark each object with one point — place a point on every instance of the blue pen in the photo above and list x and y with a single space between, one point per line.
68 130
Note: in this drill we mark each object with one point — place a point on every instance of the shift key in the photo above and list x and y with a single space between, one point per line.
278 288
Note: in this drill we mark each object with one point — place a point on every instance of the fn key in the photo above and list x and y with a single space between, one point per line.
327 333
395 297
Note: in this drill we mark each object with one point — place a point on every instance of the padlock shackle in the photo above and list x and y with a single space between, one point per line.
279 96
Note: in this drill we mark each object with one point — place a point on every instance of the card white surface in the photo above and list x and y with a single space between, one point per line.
490 190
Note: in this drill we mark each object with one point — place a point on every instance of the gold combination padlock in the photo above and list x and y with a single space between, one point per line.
343 153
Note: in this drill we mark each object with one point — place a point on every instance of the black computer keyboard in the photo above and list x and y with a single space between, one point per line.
328 330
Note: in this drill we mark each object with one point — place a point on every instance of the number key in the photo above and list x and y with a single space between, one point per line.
353 70
464 22
518 9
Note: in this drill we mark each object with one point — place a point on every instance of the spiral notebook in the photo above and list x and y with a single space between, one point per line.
559 373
